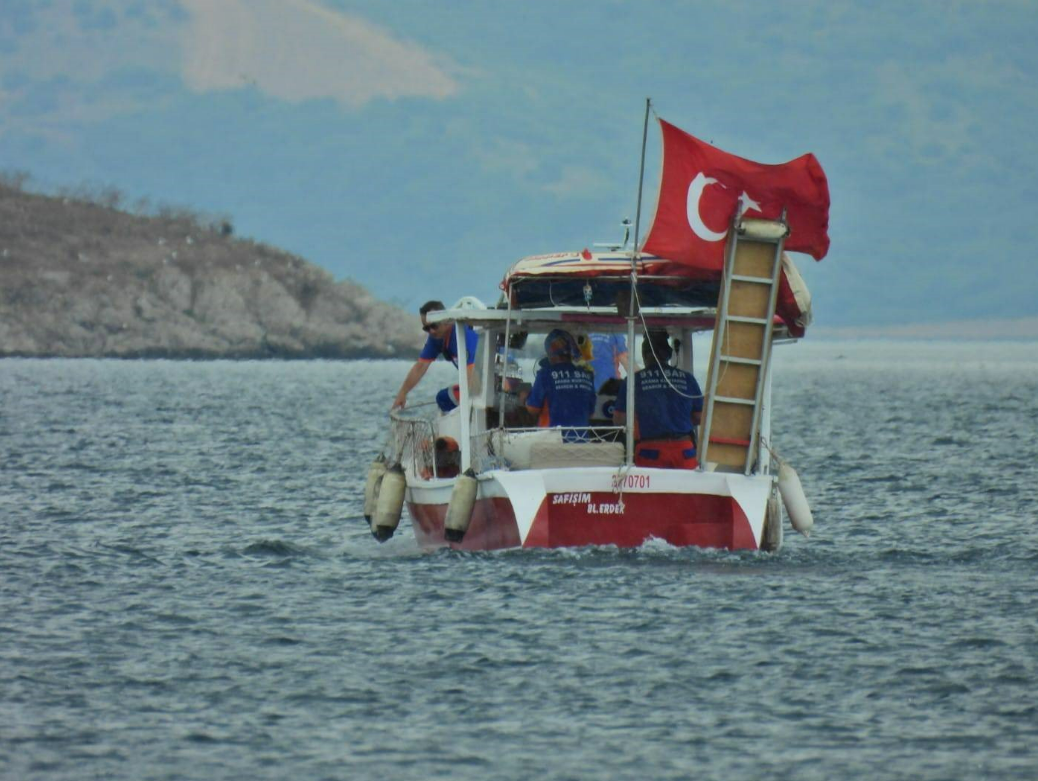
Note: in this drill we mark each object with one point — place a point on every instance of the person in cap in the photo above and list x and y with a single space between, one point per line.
563 389
668 403
442 340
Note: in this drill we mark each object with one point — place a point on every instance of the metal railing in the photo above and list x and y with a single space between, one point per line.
412 439
414 442
525 448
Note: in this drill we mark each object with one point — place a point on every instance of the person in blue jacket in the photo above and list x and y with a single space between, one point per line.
608 354
562 392
442 340
668 403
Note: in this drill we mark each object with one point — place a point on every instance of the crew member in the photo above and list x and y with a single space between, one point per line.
608 354
442 340
668 403
567 391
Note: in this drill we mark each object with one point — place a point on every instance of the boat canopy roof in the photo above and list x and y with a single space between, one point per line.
602 278
588 280
602 319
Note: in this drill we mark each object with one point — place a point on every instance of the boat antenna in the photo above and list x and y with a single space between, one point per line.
631 412
641 181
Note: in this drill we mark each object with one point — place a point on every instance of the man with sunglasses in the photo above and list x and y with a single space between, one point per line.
442 340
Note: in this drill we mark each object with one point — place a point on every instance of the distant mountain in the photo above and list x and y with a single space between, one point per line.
79 278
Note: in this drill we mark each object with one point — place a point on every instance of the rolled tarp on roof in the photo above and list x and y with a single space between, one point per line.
793 305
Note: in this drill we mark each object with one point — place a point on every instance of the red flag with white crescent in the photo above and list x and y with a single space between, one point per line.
701 186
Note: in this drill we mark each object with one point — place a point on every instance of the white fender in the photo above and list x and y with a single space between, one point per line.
794 500
459 511
390 503
375 475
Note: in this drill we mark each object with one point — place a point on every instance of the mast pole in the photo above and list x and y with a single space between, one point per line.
504 363
634 295
641 181
464 397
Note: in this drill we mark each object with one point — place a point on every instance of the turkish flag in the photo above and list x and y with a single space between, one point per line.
701 187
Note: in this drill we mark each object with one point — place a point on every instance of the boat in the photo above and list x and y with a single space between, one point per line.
481 477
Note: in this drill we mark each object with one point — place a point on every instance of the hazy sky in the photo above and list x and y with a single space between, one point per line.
421 147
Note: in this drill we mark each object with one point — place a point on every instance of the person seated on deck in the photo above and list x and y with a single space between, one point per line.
564 390
442 340
668 403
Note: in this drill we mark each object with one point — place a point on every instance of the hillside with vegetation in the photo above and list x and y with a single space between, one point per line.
80 277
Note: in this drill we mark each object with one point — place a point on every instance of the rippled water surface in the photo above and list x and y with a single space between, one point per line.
187 591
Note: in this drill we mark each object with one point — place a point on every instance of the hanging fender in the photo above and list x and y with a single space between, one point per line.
459 511
371 488
390 503
795 501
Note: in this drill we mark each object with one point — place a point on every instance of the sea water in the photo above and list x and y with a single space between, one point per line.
188 590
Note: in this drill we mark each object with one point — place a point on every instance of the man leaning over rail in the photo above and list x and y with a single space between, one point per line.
442 340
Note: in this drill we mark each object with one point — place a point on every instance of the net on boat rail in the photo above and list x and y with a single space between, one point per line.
412 437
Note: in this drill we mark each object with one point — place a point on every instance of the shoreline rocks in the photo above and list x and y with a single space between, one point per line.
78 279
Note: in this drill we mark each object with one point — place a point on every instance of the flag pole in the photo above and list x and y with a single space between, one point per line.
641 181
631 359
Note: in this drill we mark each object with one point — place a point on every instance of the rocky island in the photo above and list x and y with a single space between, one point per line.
81 278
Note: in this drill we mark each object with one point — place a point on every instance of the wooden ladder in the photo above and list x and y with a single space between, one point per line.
741 349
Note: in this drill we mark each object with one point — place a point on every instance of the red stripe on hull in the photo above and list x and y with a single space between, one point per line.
702 520
493 525
575 520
